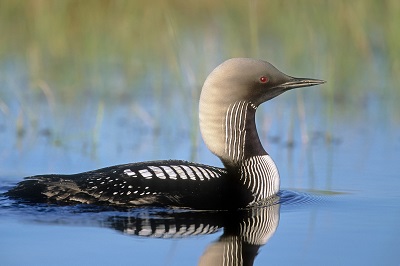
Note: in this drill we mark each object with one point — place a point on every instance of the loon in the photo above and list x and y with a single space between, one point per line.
228 103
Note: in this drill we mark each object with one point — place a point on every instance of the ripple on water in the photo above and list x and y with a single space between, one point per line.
295 198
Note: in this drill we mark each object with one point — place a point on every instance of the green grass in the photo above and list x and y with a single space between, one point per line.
69 51
73 45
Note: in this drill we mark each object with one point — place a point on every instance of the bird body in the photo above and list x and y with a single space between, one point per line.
228 103
173 182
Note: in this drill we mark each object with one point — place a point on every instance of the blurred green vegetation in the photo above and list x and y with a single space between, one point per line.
72 45
66 49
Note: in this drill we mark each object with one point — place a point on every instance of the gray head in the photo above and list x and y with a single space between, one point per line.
252 80
243 80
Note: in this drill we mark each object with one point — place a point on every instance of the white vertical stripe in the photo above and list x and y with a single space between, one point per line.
235 130
181 173
205 173
212 174
158 172
189 171
170 172
260 175
197 172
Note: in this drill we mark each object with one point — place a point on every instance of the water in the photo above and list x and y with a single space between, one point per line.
88 85
339 206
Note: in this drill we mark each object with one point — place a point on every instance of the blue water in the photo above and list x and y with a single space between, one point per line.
339 174
312 230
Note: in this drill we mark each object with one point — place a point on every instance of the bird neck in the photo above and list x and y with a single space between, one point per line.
229 131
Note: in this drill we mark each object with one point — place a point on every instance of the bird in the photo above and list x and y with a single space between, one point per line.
229 98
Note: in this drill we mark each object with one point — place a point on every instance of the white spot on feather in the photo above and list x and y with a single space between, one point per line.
146 174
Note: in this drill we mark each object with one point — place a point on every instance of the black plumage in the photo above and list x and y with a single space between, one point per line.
170 183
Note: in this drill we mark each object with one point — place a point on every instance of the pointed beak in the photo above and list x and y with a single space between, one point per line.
300 82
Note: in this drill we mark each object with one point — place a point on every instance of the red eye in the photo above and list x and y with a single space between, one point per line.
264 79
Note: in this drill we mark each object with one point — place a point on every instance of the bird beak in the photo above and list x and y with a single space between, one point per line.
300 82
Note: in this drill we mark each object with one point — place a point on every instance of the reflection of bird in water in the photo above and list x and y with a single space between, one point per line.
242 239
245 231
228 103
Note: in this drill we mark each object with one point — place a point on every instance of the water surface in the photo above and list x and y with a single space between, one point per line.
85 86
